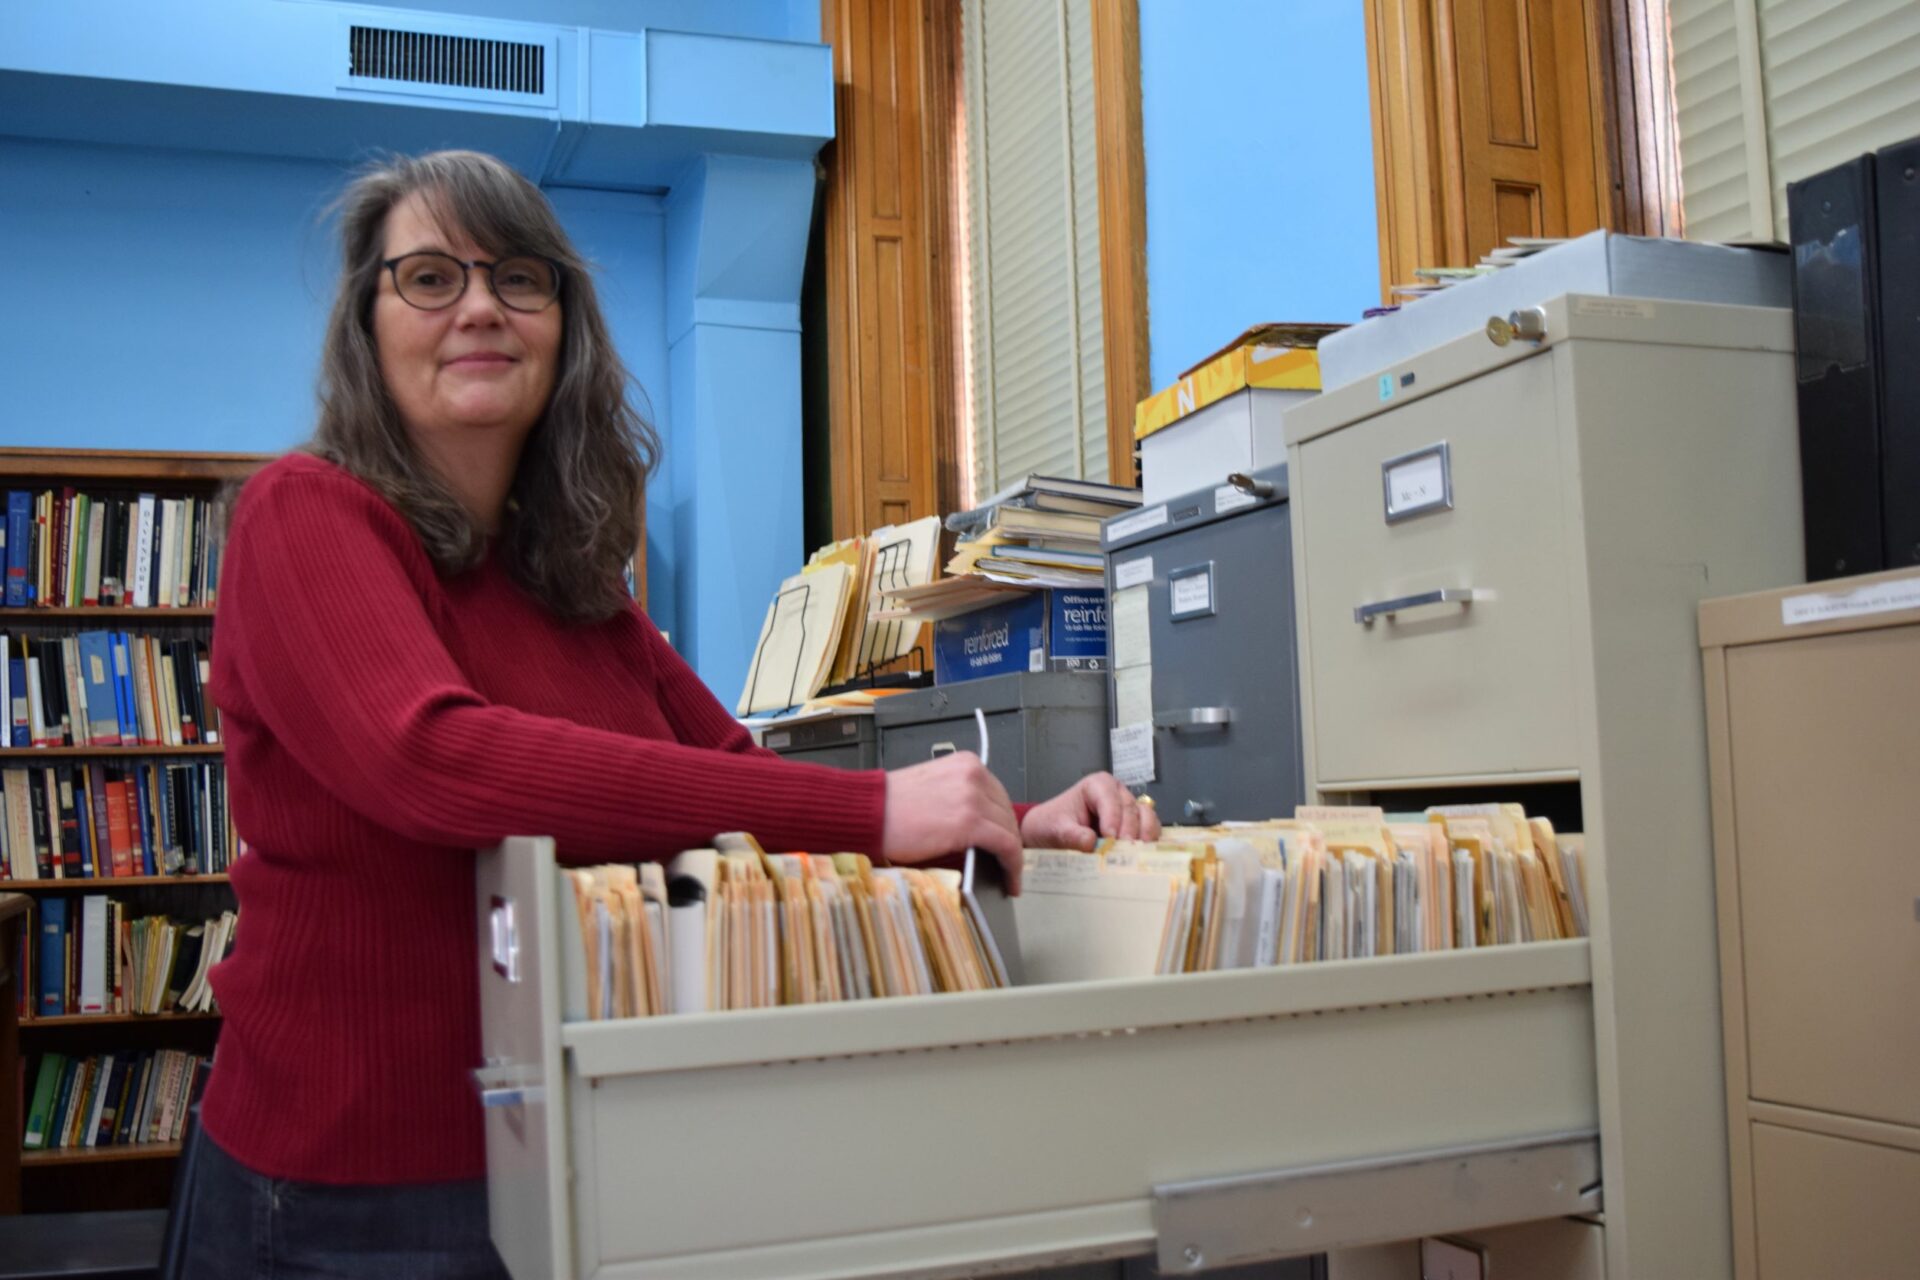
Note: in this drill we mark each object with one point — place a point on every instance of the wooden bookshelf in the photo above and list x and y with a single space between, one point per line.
104 753
94 884
99 1155
136 1175
113 1019
33 613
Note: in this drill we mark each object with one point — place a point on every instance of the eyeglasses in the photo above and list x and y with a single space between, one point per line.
435 281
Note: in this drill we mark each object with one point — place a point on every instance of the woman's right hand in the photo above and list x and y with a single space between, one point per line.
946 805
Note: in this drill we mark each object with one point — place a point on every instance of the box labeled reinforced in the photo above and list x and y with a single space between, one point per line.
1052 630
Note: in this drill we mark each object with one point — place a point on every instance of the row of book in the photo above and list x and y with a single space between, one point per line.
73 820
66 549
1039 531
111 1099
107 689
92 955
737 928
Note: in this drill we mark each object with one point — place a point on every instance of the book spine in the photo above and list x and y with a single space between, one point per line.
19 542
53 957
143 554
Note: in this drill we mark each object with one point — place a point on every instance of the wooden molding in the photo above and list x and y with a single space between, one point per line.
887 262
1493 118
1123 223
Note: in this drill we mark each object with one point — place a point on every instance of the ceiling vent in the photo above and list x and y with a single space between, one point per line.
454 65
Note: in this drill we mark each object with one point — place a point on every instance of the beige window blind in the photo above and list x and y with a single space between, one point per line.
1772 91
1035 369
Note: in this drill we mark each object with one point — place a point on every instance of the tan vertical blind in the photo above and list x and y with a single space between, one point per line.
1037 375
1772 91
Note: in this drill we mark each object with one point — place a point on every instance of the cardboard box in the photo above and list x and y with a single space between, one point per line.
1054 630
1197 432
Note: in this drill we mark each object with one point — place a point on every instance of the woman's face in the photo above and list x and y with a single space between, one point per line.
470 368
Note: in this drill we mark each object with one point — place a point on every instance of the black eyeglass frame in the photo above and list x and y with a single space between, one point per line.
466 279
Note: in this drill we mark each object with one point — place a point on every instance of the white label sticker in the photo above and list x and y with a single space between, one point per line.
1132 747
1138 522
778 741
1036 659
1415 484
1193 593
1130 638
1133 695
1621 308
1230 497
99 668
1881 597
1132 573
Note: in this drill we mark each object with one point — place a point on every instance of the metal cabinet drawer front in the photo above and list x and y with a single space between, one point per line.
1439 642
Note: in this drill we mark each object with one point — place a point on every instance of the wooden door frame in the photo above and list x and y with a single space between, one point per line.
925 78
1622 80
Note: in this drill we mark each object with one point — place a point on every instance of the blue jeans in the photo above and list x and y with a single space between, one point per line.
244 1226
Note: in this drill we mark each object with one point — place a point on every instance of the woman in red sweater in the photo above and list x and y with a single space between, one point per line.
423 646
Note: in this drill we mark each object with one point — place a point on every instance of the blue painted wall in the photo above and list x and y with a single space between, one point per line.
1259 151
765 19
178 297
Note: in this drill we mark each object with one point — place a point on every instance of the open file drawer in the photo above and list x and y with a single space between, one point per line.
961 1134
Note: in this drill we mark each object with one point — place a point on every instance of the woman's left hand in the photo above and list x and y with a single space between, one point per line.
1098 805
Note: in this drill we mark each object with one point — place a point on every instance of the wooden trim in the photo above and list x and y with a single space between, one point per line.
1632 71
1122 167
96 883
68 1156
56 753
29 614
147 467
943 107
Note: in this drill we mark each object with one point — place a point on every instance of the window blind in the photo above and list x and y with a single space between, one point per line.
1036 366
1772 91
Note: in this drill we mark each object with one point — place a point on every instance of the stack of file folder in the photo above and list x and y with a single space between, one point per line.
1329 884
734 927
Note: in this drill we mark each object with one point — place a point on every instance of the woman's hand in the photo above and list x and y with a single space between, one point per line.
1098 805
945 806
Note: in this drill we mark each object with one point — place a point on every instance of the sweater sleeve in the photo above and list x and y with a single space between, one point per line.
325 638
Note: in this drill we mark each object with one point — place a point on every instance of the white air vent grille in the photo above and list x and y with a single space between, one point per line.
423 57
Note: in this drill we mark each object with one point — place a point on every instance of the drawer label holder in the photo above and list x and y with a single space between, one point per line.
1418 483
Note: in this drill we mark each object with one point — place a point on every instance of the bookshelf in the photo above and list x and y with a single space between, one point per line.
170 857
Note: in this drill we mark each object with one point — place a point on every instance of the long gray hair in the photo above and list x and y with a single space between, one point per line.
572 515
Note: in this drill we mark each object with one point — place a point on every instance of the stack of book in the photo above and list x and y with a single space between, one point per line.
67 549
111 1099
1040 531
91 956
734 927
1434 279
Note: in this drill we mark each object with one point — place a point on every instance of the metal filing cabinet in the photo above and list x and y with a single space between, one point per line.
842 741
1499 547
1813 723
1201 631
1047 730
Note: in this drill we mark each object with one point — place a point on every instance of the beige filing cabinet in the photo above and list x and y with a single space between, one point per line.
1813 722
1498 554
1207 1120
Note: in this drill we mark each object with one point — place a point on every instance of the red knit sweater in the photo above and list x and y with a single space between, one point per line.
382 722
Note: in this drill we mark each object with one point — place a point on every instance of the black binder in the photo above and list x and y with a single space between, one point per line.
1832 216
1897 183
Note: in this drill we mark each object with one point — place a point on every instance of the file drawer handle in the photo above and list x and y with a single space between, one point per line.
1194 719
1366 613
504 1085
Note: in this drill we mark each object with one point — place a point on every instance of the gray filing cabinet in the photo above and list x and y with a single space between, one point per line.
1047 729
842 741
1201 629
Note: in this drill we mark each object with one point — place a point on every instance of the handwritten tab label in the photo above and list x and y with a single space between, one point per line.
1132 573
1138 522
1132 747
